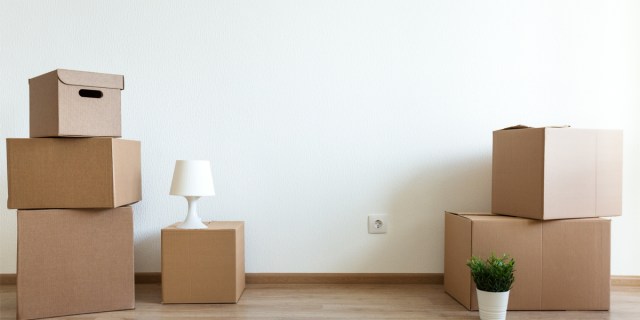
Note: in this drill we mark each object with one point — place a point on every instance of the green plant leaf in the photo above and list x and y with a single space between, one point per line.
493 274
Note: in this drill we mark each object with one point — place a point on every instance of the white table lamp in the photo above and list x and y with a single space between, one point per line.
192 179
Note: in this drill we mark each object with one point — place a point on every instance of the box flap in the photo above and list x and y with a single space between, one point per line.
517 126
90 79
521 126
470 213
479 216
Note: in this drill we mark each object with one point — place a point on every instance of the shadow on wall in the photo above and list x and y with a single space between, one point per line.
143 244
416 213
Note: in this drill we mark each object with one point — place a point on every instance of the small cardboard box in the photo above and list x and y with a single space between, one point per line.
560 264
203 265
75 103
557 173
74 261
48 173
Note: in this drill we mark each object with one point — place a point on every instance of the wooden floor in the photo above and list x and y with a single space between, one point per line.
291 301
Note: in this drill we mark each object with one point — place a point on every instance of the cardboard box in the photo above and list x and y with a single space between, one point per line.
74 261
557 173
560 264
73 173
203 265
75 103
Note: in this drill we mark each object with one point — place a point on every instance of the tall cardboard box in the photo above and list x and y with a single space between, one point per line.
203 265
560 264
557 173
48 173
74 261
75 103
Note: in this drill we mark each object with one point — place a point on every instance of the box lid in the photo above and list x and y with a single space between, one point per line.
90 79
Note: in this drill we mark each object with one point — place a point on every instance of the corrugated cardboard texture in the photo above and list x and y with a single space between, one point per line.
570 189
609 173
560 264
520 238
43 105
557 173
572 260
457 278
73 173
518 172
126 177
56 107
203 265
74 261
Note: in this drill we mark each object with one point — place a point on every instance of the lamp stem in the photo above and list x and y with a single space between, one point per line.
193 207
193 220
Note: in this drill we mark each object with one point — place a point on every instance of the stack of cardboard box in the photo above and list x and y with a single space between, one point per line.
551 186
72 181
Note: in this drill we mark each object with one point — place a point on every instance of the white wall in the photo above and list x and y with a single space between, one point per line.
317 113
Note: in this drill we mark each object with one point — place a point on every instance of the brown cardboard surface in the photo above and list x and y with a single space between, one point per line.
557 173
73 173
518 172
457 278
574 264
203 265
560 264
74 261
609 172
56 107
126 174
519 238
570 173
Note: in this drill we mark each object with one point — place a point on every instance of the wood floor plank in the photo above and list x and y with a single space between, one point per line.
333 301
625 281
7 278
333 278
345 278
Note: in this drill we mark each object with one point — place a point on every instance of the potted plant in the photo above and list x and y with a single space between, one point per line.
493 278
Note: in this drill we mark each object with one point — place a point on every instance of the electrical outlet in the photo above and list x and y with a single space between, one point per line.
378 223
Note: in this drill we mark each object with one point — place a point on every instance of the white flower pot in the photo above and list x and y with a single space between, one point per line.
492 305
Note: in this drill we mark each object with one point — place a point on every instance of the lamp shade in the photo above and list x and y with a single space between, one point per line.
192 178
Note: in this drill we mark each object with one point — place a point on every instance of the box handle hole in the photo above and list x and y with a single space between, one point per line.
86 93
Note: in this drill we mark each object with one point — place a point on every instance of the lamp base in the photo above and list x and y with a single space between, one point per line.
193 220
192 224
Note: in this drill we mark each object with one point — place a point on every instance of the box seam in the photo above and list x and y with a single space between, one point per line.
114 172
471 281
541 265
595 174
544 174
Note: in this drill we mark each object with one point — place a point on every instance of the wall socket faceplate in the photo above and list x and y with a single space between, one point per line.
378 223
